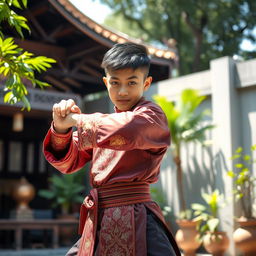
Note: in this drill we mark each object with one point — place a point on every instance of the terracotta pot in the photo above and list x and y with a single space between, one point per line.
186 237
216 243
245 236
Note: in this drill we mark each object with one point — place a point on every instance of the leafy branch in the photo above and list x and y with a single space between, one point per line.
9 15
17 66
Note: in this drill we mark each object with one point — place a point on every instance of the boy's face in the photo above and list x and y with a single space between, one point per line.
126 86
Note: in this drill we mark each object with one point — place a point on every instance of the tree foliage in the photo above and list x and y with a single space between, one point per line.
18 67
203 29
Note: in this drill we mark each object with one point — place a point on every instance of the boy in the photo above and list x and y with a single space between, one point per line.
126 149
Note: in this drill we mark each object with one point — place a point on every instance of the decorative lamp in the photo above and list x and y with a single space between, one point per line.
17 122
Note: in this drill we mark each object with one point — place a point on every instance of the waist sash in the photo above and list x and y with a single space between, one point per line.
107 196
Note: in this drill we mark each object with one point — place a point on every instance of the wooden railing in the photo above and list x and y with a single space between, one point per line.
50 224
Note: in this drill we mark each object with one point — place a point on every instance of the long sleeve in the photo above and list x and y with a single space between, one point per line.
61 151
143 128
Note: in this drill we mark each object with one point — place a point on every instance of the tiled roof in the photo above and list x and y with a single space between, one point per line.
109 34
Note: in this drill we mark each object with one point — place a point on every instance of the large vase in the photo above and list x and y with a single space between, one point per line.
186 237
245 237
23 193
216 243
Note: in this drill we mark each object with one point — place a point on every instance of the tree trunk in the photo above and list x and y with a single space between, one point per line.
246 203
197 31
182 201
198 49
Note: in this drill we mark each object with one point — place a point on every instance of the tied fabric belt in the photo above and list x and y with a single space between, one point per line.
113 195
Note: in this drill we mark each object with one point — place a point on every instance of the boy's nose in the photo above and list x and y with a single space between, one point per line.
123 91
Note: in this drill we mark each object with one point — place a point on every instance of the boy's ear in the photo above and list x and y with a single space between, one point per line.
147 83
105 80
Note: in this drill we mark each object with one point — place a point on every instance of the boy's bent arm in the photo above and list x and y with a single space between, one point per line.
143 128
61 151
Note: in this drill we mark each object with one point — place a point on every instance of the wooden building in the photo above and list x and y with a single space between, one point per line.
60 31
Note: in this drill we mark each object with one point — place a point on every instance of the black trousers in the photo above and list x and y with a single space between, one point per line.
158 243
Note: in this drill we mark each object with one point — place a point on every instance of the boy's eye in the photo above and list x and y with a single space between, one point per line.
132 83
114 83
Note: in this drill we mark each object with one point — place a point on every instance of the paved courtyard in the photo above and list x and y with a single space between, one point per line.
35 252
46 252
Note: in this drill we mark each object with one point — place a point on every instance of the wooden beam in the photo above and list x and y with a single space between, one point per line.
84 52
77 76
38 48
40 29
79 46
91 71
94 62
62 31
57 83
78 66
38 10
73 82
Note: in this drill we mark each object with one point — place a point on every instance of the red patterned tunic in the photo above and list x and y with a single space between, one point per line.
124 148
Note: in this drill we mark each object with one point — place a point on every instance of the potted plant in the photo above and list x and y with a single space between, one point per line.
214 241
244 192
186 125
186 235
64 191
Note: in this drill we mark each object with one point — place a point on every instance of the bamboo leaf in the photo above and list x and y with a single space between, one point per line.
239 150
213 224
198 207
231 174
46 193
26 102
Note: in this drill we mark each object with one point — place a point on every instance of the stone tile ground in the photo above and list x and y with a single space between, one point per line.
46 252
35 252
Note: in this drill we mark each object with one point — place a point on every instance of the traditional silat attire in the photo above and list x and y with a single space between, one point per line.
118 217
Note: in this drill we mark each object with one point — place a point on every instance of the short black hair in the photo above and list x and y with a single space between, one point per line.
126 55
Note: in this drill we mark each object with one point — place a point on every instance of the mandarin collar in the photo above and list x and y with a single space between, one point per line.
137 104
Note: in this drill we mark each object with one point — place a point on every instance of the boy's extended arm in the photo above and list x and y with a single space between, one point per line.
144 128
61 151
60 144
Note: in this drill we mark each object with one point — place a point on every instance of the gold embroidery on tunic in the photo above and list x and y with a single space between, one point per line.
117 232
117 140
59 140
59 143
103 163
87 127
65 165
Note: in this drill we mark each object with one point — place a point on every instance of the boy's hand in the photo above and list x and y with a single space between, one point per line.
65 115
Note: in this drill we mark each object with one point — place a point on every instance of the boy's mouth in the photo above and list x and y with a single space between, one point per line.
123 100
